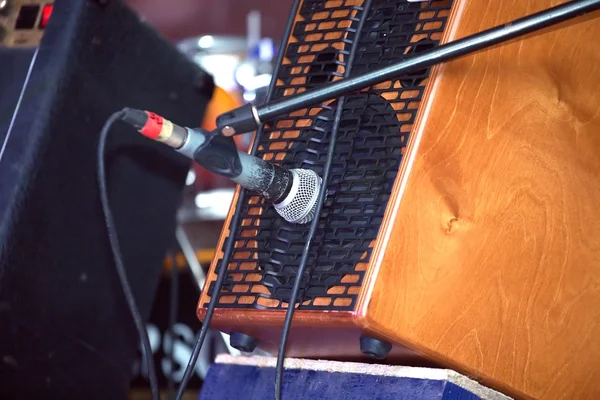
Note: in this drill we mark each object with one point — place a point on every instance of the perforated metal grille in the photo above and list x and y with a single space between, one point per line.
372 135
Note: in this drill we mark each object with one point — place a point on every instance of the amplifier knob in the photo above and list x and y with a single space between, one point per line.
4 7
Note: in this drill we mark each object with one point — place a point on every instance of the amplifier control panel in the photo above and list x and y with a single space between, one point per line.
22 22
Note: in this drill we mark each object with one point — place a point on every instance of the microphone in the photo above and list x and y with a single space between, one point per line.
293 193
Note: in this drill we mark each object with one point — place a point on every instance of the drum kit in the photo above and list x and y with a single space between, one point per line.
241 68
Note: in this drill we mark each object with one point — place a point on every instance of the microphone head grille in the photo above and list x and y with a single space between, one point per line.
299 205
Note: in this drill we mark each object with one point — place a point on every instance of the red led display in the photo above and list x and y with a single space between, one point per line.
46 13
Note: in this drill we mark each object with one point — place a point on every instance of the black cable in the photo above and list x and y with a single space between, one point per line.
118 258
212 304
233 225
173 305
303 261
315 222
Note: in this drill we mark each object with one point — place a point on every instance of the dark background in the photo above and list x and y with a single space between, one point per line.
179 19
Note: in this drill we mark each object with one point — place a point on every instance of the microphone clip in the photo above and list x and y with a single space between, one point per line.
218 154
240 120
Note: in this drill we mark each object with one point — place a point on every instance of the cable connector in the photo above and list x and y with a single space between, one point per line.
155 127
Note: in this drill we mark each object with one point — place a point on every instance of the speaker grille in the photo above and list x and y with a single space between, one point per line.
372 135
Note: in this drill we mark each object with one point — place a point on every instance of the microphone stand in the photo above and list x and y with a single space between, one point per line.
249 117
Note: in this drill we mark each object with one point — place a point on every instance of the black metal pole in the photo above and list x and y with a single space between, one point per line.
429 58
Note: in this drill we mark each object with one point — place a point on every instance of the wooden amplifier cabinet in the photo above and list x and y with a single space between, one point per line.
462 223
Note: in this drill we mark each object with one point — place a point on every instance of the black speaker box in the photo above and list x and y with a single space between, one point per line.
65 329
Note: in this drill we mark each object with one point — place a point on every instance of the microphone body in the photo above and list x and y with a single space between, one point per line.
293 192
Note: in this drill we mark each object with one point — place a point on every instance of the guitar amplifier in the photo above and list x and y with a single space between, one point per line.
66 329
461 224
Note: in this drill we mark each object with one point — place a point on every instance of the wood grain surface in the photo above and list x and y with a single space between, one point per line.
490 258
314 334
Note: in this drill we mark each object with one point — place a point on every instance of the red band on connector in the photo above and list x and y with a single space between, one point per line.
153 126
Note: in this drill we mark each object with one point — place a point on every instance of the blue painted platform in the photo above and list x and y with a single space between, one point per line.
253 378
